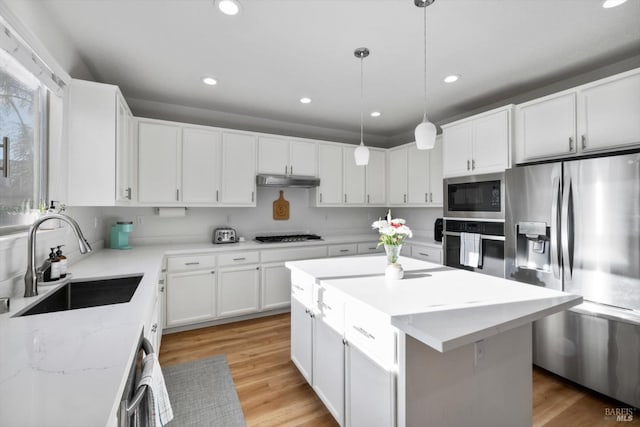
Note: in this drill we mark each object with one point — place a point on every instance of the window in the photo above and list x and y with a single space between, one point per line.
23 153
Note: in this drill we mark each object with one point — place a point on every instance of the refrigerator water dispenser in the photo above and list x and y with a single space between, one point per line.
532 246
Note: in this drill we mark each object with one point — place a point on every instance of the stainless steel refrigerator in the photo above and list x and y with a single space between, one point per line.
575 226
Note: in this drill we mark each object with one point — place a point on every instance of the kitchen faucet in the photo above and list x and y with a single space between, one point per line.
31 277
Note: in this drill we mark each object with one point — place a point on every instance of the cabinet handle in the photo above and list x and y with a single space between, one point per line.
291 169
468 165
128 193
344 341
570 143
253 196
217 198
405 198
323 305
368 199
285 169
298 287
364 332
192 263
258 268
239 259
161 288
372 249
344 250
423 254
177 195
320 197
213 272
5 156
154 327
426 197
473 164
431 197
345 198
584 141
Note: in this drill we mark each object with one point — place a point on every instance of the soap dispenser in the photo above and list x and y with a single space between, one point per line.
63 262
55 265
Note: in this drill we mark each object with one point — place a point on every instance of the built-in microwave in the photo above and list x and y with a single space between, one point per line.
475 196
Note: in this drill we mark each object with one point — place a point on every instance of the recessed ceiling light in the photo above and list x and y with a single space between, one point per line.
305 100
209 81
376 114
228 7
607 4
452 78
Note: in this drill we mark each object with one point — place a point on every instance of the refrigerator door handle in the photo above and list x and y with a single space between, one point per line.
555 225
567 230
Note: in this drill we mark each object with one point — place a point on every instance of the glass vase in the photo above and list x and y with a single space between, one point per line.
394 270
393 252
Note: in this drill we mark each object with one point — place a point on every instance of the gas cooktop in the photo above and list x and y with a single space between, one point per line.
287 238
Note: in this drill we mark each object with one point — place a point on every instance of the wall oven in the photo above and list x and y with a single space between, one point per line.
491 245
475 197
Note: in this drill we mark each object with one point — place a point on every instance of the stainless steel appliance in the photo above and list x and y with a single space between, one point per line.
475 196
491 245
224 235
129 414
280 238
290 181
575 226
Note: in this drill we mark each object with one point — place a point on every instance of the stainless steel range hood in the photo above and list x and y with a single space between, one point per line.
296 181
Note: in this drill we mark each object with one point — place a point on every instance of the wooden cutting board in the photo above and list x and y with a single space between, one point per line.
281 208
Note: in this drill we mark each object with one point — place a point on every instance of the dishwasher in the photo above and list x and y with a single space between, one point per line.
130 413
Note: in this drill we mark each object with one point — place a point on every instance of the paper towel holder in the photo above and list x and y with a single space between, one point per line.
171 212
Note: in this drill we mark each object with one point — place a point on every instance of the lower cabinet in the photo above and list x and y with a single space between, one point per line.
302 338
426 253
238 290
191 297
328 367
276 286
370 391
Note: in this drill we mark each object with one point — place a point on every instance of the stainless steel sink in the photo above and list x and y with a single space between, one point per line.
84 294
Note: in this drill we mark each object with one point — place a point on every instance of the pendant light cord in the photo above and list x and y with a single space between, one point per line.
361 101
425 62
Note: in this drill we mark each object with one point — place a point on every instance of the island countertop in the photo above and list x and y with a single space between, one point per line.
442 307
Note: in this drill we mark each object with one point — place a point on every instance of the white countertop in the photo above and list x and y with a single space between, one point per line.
445 308
68 368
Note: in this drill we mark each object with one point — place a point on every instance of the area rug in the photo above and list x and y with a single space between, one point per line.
202 393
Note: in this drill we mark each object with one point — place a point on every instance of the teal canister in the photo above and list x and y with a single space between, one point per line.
120 234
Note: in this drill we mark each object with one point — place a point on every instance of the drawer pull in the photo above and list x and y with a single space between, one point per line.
192 263
298 287
372 249
423 254
240 259
154 327
344 250
323 305
161 288
364 332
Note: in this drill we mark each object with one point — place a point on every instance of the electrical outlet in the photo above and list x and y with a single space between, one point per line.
479 351
140 219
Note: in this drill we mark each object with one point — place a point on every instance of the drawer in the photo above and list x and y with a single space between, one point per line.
191 262
342 250
233 258
329 306
302 288
370 248
293 254
371 332
426 253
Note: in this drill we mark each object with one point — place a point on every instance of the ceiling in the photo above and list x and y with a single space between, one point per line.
277 51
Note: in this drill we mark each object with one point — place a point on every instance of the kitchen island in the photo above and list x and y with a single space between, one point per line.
441 347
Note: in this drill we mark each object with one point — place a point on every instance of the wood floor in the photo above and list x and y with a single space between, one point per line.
273 393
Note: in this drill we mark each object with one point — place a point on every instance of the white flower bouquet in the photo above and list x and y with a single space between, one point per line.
393 231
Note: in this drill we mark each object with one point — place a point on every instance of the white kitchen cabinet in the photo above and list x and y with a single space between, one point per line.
435 174
417 170
302 338
286 156
238 290
328 368
238 169
99 171
346 249
159 160
275 286
153 327
397 175
370 248
370 391
329 171
200 170
416 179
191 297
376 177
353 178
478 144
427 253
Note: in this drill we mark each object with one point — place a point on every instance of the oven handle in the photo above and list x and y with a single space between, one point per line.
482 236
137 398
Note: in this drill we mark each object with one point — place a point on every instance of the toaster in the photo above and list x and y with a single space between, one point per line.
224 235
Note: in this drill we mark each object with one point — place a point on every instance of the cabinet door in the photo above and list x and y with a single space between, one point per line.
352 178
190 297
200 171
418 175
238 169
301 339
238 291
427 254
273 155
435 173
158 160
370 391
398 176
328 368
302 158
275 286
124 153
546 128
376 178
490 143
609 114
456 149
330 173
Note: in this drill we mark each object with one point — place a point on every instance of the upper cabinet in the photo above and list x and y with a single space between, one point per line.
238 169
330 172
159 163
286 156
99 171
478 144
599 116
376 177
417 180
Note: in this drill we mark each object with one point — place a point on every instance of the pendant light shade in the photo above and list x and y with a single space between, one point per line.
425 132
361 154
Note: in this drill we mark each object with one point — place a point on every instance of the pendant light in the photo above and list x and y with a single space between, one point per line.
425 132
361 154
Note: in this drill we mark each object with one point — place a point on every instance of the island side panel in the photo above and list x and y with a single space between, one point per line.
485 384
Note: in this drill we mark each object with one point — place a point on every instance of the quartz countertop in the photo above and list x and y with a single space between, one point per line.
442 307
69 368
